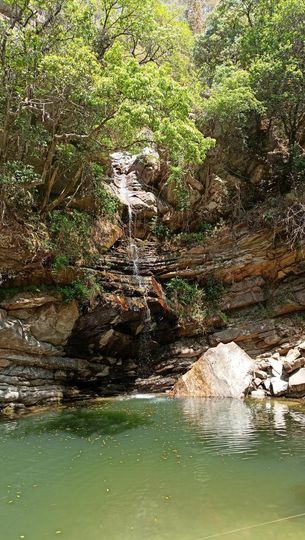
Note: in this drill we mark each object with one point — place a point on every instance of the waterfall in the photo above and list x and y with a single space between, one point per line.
121 163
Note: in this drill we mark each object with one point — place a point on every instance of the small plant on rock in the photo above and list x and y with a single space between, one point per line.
186 297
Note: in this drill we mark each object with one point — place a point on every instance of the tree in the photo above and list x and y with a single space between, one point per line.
266 39
81 79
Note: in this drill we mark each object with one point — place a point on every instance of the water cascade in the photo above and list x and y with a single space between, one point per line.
125 179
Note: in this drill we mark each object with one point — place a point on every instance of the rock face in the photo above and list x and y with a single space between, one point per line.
223 371
51 349
36 371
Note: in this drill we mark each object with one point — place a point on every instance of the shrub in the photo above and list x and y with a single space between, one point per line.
17 185
82 290
213 291
159 229
107 203
69 232
184 291
60 262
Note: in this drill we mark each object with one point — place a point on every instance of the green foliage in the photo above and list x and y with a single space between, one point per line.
183 291
60 262
213 291
17 185
205 230
80 79
159 229
69 235
190 238
83 290
17 173
232 99
176 177
107 203
257 47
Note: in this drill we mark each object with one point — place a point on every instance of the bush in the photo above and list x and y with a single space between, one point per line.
17 185
70 233
183 291
107 203
82 290
60 262
159 229
213 291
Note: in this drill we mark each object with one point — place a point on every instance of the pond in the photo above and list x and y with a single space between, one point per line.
155 469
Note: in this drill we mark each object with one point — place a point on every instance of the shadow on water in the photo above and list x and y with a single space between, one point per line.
82 422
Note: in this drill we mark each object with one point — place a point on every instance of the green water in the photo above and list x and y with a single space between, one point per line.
154 469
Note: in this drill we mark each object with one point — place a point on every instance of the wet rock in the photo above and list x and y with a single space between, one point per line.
297 383
223 371
9 394
259 394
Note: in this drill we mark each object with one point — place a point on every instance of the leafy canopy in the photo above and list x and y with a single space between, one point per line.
81 79
262 44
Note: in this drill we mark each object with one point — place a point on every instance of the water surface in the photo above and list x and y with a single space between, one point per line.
154 469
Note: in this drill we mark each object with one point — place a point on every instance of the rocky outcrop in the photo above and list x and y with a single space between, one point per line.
223 372
279 374
50 350
33 365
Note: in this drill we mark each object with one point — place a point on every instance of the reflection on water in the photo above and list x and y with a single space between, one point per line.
236 426
225 425
155 469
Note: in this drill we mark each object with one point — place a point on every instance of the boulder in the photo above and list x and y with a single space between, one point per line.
223 371
277 367
15 336
258 373
292 365
54 323
279 386
267 384
293 354
297 383
28 300
258 394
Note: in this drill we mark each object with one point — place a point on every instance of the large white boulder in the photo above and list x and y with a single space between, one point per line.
223 371
297 383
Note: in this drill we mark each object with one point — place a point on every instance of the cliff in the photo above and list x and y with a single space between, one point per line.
135 331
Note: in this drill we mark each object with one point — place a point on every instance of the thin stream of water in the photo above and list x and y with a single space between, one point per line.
126 195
